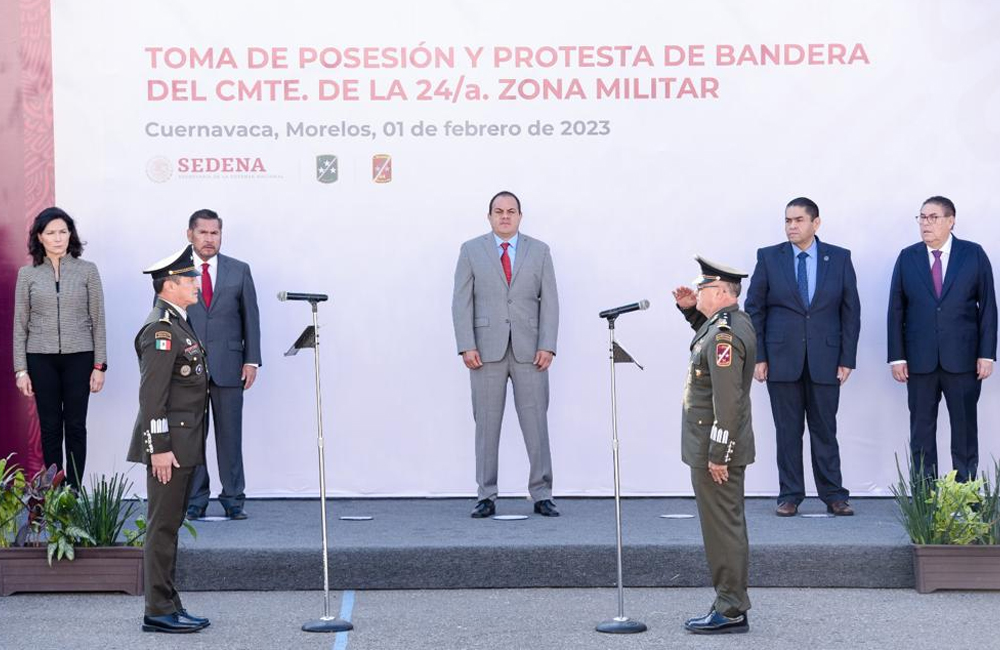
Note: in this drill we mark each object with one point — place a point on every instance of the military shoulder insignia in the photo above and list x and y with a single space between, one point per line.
723 336
723 355
164 315
724 320
163 335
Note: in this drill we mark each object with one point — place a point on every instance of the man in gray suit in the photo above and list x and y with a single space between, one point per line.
506 314
228 323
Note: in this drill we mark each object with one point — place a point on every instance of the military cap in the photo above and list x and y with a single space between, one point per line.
180 263
711 272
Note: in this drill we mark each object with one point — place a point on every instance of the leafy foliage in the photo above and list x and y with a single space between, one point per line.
51 508
137 537
103 510
11 495
946 511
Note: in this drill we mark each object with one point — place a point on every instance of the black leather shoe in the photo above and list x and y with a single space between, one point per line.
236 513
546 508
716 623
184 615
194 512
484 508
171 624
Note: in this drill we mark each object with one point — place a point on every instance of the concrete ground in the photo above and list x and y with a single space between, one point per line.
816 619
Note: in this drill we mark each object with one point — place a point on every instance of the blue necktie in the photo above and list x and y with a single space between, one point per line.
803 278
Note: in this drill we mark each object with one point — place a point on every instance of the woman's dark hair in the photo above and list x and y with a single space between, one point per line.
35 247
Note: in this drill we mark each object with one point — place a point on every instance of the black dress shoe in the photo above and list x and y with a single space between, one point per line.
716 623
184 615
236 513
171 624
194 512
546 508
484 508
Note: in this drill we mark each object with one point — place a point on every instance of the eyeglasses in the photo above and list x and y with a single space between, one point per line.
929 218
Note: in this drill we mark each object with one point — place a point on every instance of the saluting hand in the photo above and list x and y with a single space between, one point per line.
685 297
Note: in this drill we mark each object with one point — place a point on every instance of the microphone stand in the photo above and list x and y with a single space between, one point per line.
325 623
620 624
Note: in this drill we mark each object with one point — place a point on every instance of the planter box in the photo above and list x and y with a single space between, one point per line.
112 568
956 567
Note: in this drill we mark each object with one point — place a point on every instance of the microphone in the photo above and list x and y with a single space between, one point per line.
311 297
618 311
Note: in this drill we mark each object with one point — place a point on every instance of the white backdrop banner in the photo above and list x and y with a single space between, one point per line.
352 147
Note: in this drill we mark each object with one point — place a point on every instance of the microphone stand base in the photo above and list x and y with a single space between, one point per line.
327 625
621 626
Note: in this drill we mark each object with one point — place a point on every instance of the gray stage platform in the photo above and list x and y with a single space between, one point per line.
434 544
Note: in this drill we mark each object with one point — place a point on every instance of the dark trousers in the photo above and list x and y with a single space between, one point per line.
961 393
159 556
62 393
793 403
227 423
724 532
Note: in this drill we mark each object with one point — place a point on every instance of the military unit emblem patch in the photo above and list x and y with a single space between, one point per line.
723 355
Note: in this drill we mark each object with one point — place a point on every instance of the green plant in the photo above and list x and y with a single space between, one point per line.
991 504
958 512
102 510
51 508
946 511
137 537
11 499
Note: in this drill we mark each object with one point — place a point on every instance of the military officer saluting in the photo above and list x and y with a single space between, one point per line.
169 433
717 436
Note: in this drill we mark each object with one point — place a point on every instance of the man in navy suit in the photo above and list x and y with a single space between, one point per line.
227 321
942 335
803 300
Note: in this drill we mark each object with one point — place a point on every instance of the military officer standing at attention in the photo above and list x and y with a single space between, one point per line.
717 436
169 434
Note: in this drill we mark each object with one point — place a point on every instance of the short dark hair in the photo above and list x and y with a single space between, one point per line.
806 204
159 282
46 216
504 193
204 213
946 205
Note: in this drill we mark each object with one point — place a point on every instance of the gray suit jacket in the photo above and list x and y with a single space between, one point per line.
487 313
230 329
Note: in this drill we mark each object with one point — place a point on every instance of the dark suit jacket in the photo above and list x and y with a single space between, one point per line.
787 330
952 331
230 329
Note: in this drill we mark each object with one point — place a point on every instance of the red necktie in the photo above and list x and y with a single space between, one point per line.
206 285
505 260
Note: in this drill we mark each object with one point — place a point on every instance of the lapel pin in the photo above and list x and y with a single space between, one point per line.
826 258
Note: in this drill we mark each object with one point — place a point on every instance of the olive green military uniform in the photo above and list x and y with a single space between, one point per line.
173 398
716 427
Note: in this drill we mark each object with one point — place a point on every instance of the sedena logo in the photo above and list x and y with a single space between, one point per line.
159 169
